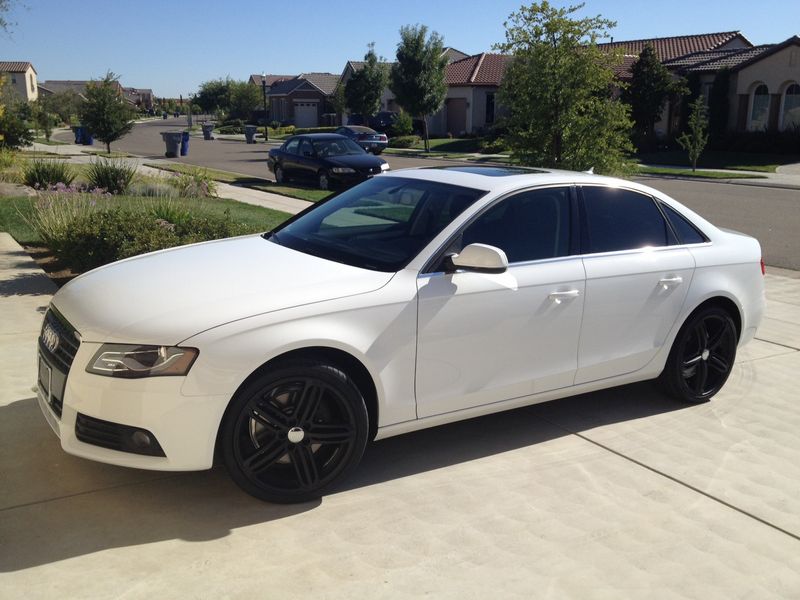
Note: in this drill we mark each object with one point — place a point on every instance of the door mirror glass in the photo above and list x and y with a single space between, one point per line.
482 258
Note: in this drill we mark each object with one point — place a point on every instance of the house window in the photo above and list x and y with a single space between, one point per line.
33 87
759 109
489 108
790 108
13 78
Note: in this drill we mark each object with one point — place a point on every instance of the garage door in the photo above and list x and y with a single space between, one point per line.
305 114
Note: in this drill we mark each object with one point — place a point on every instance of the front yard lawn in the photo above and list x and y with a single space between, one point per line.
697 174
737 161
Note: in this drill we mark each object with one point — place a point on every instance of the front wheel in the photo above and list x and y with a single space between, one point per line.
294 431
323 182
702 356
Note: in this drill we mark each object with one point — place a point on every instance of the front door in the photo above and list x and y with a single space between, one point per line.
485 338
637 277
456 116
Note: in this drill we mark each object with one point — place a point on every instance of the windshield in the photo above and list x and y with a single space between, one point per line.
380 224
337 147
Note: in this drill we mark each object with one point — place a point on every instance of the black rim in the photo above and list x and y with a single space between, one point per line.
267 447
708 354
323 181
278 175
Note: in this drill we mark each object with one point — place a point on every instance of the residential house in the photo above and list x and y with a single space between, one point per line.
21 79
302 100
763 83
140 97
56 86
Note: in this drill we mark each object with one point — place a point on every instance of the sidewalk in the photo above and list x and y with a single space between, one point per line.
787 176
616 494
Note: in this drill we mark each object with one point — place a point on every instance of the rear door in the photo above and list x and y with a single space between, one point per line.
637 277
289 157
307 161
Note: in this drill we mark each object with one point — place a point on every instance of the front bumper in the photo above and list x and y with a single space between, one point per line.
185 427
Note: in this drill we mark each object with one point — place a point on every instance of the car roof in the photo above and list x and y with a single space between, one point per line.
499 178
359 128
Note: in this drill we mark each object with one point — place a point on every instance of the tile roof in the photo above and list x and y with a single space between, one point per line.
668 48
324 82
58 86
12 66
714 61
479 69
271 79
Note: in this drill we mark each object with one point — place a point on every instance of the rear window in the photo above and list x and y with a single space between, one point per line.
687 233
618 219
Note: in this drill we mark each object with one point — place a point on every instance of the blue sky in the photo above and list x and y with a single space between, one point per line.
173 45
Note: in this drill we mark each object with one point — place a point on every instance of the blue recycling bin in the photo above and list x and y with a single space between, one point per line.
88 138
185 143
78 131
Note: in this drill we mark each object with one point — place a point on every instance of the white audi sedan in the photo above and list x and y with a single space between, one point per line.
415 299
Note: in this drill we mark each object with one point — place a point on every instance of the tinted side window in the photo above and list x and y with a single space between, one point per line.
621 220
687 234
306 149
528 226
292 146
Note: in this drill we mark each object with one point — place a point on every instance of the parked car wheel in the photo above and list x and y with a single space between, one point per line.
294 431
280 176
322 180
702 356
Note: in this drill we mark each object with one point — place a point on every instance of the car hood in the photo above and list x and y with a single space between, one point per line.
168 296
355 161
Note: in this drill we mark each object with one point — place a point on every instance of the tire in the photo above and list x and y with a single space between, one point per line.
280 176
323 182
701 357
294 432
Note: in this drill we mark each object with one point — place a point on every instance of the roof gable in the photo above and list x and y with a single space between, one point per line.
669 48
479 69
12 66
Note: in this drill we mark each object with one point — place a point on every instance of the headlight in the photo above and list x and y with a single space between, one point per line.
342 170
385 167
132 361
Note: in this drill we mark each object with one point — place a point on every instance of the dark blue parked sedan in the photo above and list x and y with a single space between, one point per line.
369 139
327 159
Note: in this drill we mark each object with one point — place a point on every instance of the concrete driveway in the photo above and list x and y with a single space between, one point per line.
616 494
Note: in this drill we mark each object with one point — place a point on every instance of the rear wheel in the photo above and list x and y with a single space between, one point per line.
294 432
280 176
702 356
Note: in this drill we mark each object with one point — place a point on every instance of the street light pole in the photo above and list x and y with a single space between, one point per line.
264 89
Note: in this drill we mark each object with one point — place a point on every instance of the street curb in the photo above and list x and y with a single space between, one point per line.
757 183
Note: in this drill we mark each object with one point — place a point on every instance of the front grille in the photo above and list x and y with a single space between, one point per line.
114 436
67 340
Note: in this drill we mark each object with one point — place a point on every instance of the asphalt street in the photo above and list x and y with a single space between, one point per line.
770 214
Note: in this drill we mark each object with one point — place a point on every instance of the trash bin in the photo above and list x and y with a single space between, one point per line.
250 133
88 138
184 143
172 139
164 115
78 131
208 129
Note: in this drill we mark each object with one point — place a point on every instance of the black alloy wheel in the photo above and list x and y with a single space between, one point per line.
294 432
280 177
702 356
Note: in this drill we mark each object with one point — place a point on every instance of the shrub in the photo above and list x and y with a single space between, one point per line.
760 142
492 146
233 123
403 125
299 130
194 183
230 130
155 187
112 175
274 124
404 141
41 174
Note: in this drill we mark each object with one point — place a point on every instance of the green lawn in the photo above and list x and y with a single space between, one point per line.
697 174
104 154
41 140
248 181
13 211
737 161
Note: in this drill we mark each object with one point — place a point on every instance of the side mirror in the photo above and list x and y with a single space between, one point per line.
481 258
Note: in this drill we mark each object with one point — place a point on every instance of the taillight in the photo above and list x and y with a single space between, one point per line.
383 138
763 267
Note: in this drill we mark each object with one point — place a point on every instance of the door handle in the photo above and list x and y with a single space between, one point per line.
668 281
559 297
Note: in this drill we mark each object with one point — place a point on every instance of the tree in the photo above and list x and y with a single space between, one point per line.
64 105
43 117
15 131
718 106
650 88
364 89
417 78
695 139
338 100
557 91
214 95
243 99
5 7
105 113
